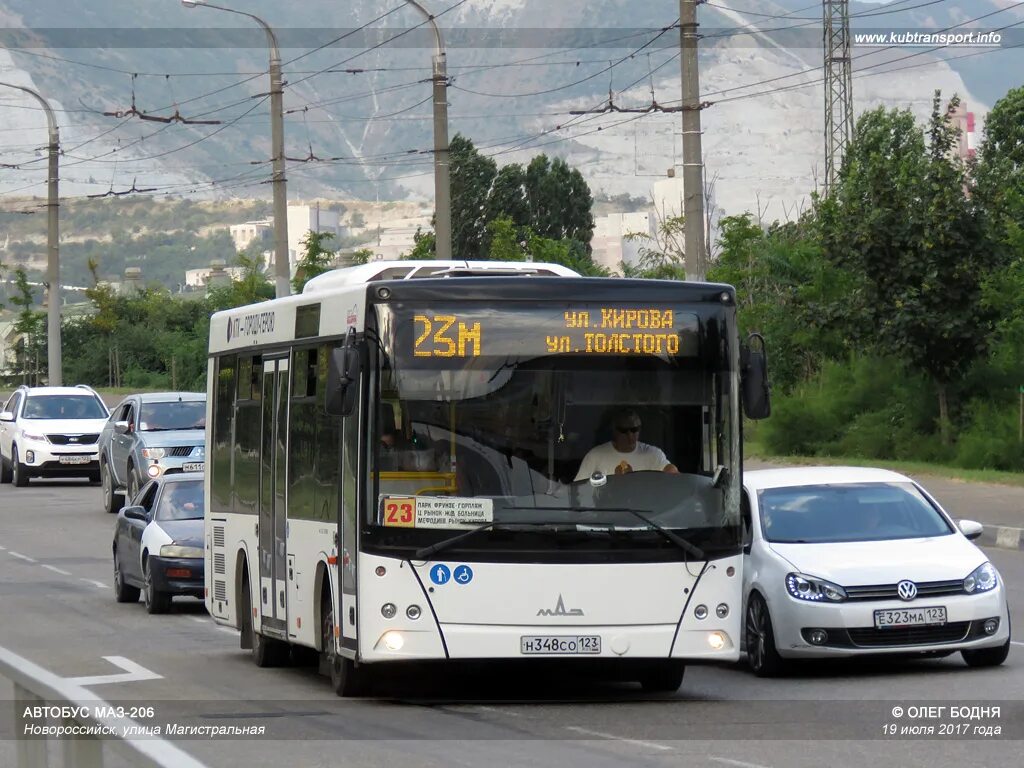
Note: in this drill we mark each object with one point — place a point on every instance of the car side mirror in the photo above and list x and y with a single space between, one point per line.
6 416
122 427
136 513
754 387
342 376
970 528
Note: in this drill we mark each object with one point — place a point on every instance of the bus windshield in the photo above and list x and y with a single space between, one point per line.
513 417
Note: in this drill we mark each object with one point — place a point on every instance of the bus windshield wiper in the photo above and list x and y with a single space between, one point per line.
425 552
675 538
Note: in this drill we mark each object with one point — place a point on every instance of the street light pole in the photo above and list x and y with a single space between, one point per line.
282 262
442 160
55 376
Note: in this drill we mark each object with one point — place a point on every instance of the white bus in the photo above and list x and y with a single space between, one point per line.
393 458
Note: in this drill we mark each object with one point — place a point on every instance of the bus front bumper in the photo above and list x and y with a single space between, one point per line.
469 641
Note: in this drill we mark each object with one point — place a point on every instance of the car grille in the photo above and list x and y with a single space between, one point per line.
73 439
181 450
889 591
888 638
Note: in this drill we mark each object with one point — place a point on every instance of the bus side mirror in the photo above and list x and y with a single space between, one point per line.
342 377
754 385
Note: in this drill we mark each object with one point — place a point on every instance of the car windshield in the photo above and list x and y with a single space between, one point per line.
811 514
179 414
63 407
181 501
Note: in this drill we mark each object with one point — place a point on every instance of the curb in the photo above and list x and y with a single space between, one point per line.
1001 536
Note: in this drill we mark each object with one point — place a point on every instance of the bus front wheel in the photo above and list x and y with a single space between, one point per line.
266 651
346 678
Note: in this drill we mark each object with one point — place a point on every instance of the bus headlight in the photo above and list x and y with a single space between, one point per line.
393 641
716 640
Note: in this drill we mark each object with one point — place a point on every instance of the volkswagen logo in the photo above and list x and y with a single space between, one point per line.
907 590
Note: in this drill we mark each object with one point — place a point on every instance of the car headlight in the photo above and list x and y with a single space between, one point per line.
175 550
33 436
154 453
982 579
813 589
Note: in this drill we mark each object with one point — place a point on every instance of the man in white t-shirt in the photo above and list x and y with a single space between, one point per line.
624 453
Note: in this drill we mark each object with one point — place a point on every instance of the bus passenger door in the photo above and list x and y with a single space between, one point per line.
273 520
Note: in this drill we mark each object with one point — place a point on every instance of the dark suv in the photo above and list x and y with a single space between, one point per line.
148 436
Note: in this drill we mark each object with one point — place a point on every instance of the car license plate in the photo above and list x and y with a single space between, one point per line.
559 644
75 459
193 466
910 617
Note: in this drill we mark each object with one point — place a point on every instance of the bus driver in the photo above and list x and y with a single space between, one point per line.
624 453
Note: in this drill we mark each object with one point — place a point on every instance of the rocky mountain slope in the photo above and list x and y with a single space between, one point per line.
359 121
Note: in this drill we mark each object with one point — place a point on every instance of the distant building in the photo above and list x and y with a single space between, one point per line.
8 342
611 243
243 235
303 219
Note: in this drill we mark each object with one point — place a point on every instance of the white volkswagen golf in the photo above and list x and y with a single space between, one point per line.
848 561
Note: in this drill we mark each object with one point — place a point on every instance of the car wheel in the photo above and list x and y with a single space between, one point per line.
346 678
156 601
112 501
19 473
663 677
123 592
762 655
133 485
5 470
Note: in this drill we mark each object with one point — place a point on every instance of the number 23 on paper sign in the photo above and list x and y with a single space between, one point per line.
400 512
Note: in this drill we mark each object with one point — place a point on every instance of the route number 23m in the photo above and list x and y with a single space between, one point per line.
400 513
445 336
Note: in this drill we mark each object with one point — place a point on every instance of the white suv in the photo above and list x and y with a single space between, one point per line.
51 432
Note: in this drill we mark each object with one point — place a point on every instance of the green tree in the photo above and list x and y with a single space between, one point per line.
661 254
251 288
471 177
316 258
559 200
999 173
362 256
900 217
31 326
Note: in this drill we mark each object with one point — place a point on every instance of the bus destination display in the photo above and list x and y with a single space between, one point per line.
458 333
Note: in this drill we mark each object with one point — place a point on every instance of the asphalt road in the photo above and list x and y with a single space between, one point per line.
57 609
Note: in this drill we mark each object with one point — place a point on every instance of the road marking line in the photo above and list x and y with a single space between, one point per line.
613 737
499 710
55 569
1014 642
198 619
95 583
228 630
20 556
133 673
737 763
3 549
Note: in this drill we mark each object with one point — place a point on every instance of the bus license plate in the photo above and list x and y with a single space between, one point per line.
75 459
193 466
911 617
559 644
